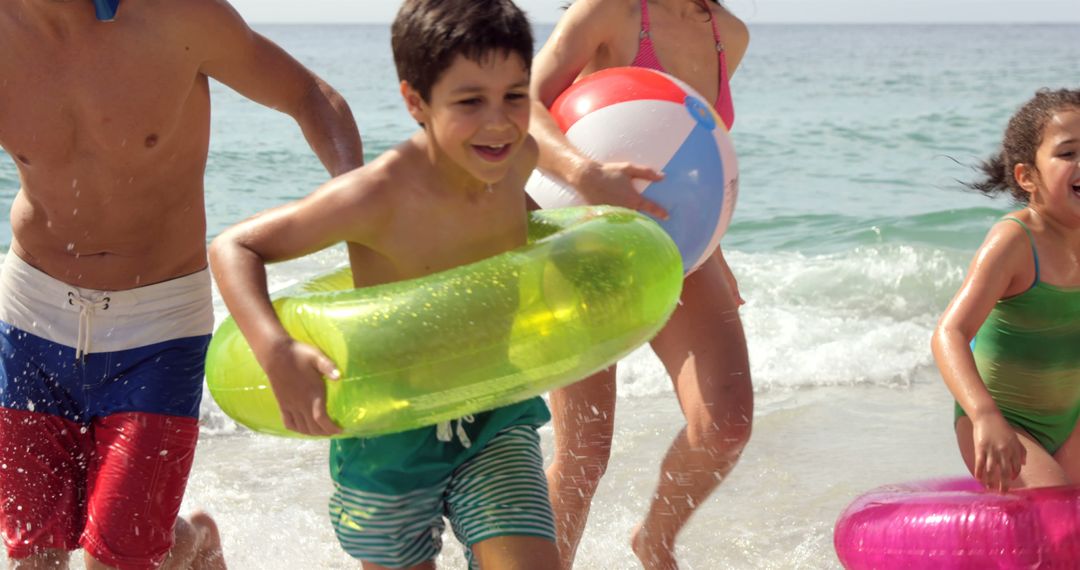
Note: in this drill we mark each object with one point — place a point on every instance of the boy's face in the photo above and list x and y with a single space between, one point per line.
478 113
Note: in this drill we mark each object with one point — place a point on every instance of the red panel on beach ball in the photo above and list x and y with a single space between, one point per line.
609 87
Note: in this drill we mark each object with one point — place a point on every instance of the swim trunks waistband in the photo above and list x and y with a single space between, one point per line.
92 320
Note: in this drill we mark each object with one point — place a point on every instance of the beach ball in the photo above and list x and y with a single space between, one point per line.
632 114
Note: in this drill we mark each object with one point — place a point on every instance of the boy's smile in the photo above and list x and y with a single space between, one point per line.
478 114
493 153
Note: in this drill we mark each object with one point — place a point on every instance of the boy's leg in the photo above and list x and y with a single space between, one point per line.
396 529
427 565
516 553
498 504
583 417
704 351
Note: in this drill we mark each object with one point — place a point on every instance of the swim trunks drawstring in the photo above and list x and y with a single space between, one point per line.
443 431
87 308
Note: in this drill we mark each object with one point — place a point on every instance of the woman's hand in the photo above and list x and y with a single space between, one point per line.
999 455
611 183
296 371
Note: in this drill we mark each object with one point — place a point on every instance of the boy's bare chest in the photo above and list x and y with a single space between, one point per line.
99 100
439 240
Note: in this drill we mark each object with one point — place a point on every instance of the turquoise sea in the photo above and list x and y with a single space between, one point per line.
851 234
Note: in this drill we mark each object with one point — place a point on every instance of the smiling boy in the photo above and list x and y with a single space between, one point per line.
450 195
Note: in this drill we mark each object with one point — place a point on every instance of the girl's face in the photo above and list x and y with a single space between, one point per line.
1055 183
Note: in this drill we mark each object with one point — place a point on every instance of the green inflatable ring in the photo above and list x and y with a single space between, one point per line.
593 284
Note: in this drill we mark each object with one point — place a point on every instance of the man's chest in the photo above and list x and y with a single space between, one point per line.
57 102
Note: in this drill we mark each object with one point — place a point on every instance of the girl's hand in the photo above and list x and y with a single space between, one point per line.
999 455
611 183
296 373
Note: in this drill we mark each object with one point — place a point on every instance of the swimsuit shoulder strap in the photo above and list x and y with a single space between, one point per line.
644 18
1031 238
646 55
715 30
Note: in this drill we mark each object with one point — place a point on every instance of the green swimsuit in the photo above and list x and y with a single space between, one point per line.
1028 354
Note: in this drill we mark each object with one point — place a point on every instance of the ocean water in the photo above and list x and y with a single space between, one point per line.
851 234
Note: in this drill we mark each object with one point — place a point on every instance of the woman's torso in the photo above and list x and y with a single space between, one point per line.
685 47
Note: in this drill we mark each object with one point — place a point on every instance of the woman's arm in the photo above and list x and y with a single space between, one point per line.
574 43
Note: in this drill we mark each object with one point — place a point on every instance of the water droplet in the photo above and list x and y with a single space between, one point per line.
71 246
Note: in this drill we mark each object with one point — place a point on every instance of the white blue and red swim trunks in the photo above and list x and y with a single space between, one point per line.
99 402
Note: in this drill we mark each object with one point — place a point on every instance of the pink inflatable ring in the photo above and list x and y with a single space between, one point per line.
955 523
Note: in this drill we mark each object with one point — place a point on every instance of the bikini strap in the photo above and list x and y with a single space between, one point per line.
1034 252
715 30
704 4
644 19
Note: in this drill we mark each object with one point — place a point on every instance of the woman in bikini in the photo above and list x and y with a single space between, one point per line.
702 347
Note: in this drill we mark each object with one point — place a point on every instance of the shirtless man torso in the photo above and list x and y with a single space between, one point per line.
108 125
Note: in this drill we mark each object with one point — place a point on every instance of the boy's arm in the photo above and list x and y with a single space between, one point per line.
338 211
995 273
258 69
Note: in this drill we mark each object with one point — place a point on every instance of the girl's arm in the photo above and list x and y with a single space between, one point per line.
1001 268
340 210
574 43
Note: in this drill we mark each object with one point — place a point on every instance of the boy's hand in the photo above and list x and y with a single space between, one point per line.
611 183
999 455
296 373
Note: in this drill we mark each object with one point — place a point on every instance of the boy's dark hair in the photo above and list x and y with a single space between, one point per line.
1022 138
428 34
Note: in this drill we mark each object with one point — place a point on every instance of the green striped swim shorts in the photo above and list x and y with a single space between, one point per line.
499 491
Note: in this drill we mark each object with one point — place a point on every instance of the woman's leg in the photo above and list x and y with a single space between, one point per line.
703 349
583 415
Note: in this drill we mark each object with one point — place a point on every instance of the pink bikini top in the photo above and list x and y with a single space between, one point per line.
646 57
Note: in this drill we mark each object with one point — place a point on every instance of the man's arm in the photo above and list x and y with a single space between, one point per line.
258 69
